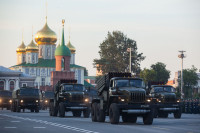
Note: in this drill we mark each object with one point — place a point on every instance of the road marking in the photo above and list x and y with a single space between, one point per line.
39 127
52 123
15 121
10 127
161 128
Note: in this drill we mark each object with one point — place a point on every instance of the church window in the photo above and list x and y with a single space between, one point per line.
33 58
27 70
48 52
1 85
23 60
12 85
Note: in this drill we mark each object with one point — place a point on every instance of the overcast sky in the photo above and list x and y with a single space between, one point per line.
160 27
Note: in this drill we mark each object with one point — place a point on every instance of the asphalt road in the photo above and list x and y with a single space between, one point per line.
11 122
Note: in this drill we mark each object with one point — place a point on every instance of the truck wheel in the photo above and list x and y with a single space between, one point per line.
93 112
125 117
61 110
100 114
148 118
32 110
37 109
86 113
18 108
76 113
177 114
55 110
114 114
132 118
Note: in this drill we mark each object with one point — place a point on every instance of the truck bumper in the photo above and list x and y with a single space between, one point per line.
168 107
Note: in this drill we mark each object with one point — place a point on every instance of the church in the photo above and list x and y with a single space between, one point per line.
38 58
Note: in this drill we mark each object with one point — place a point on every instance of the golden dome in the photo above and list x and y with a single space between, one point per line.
45 36
32 47
21 48
71 47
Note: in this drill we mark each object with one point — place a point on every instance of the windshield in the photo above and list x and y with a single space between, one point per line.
129 83
74 87
164 89
5 94
29 92
49 94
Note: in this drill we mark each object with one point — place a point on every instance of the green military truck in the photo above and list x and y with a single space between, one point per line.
26 98
5 99
166 102
47 95
69 96
121 95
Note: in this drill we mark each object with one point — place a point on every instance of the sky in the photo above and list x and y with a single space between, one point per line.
160 27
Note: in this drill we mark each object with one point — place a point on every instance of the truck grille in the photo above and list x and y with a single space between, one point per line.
170 99
77 98
137 97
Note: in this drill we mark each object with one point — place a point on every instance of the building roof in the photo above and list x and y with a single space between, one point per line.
45 63
90 77
86 84
7 70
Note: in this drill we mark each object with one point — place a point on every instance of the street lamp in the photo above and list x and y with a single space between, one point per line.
129 50
182 56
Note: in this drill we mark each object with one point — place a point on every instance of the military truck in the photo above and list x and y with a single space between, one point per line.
121 95
166 102
26 98
69 96
5 99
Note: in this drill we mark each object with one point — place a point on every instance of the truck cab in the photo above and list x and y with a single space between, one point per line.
26 98
166 101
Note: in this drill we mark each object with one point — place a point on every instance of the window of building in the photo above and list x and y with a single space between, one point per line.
33 58
48 52
12 85
23 60
43 81
2 85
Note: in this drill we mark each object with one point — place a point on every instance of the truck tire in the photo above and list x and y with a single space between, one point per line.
37 109
55 110
86 113
100 114
76 113
32 110
61 110
18 109
132 118
93 112
148 118
177 114
125 117
114 113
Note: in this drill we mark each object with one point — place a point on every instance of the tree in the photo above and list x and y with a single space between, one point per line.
157 73
114 56
190 79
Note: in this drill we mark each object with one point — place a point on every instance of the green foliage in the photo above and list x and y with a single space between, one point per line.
114 56
190 79
85 72
157 73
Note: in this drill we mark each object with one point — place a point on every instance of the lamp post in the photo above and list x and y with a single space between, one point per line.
182 56
129 50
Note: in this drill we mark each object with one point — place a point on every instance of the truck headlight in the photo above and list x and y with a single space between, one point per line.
36 101
22 101
178 101
0 100
158 100
46 101
10 101
122 99
86 100
149 100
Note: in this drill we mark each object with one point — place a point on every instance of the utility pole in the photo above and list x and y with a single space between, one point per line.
182 56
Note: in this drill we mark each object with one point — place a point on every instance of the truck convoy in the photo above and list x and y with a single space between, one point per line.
166 102
5 99
69 96
121 95
26 98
